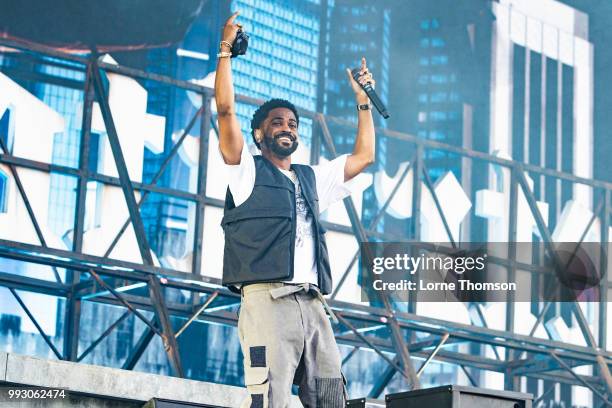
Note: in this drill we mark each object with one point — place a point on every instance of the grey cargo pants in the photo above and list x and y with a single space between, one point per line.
286 338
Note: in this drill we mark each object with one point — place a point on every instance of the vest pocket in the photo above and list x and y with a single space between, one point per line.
240 214
257 247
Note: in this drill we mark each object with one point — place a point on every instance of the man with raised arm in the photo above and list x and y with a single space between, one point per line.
275 251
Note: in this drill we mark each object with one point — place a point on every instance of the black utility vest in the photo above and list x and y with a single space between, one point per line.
260 233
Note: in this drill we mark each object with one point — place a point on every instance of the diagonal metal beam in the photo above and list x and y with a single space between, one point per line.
28 206
468 375
141 345
543 395
103 335
386 377
170 344
126 185
383 380
430 187
369 343
350 355
38 327
433 354
127 304
579 379
197 313
155 179
483 322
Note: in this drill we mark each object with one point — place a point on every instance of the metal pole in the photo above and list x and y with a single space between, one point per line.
198 230
603 267
197 313
415 232
433 354
510 381
72 315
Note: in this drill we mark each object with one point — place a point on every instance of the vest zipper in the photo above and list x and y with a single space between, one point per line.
293 232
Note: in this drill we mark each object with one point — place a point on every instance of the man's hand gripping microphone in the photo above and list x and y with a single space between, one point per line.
367 87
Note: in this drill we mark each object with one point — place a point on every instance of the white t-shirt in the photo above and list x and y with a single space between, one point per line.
331 187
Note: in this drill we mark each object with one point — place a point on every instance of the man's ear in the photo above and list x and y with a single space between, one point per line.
258 135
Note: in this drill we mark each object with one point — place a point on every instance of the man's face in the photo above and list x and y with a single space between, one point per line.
280 132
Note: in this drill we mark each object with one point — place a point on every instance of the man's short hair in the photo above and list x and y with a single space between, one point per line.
262 113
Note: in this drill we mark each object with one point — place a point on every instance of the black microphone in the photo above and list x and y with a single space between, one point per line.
378 104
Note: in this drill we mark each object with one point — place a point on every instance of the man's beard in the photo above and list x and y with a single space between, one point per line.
277 148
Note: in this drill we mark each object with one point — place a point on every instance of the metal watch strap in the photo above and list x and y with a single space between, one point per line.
365 106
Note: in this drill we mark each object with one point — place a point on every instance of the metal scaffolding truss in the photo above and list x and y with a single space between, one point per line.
516 355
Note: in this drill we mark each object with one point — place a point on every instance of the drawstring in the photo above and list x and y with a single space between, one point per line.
306 287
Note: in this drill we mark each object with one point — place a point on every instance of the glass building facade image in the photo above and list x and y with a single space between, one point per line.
501 99
284 54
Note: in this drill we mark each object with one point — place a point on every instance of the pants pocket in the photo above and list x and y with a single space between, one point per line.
330 392
258 386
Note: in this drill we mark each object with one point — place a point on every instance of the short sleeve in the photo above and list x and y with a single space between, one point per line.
331 186
241 177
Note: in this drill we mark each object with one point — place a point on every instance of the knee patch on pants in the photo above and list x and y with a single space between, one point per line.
258 386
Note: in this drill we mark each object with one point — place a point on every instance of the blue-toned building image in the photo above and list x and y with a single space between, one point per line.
112 193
